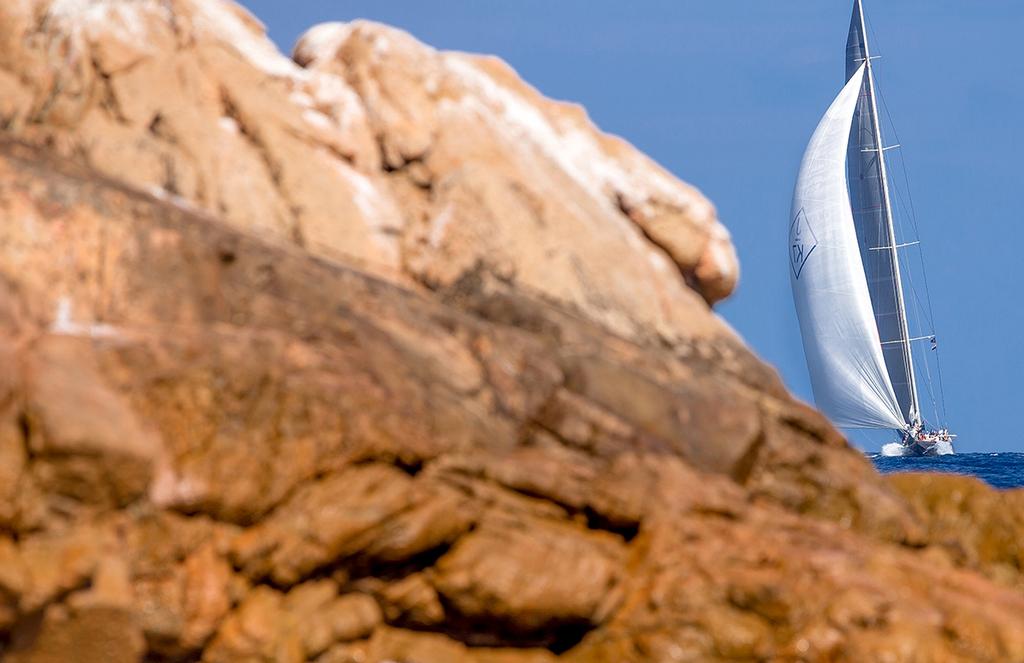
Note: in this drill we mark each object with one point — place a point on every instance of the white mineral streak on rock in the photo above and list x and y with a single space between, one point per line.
318 119
522 125
573 146
439 226
229 124
378 211
169 489
64 325
321 42
231 24
122 20
495 172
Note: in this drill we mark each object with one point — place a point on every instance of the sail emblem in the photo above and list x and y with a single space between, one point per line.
802 242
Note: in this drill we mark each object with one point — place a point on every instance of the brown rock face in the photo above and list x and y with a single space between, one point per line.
368 389
418 165
973 525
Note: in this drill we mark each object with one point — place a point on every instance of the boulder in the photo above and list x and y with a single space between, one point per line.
341 358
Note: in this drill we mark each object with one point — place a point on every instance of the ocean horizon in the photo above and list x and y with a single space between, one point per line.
1003 470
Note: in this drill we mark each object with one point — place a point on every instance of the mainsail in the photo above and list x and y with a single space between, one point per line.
841 341
872 213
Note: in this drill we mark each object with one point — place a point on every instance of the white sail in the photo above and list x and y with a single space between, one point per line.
841 343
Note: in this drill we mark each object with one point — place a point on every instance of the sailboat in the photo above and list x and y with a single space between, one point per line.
846 272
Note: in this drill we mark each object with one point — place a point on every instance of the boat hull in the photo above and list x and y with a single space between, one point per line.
922 449
928 447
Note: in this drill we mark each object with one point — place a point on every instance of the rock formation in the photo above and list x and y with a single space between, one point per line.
375 149
377 355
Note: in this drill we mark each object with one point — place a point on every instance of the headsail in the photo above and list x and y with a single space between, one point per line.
841 342
871 213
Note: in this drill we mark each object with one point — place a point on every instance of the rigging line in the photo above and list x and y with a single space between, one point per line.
903 163
913 219
920 358
928 373
879 143
884 238
942 393
890 240
926 308
924 271
924 319
892 125
922 355
913 212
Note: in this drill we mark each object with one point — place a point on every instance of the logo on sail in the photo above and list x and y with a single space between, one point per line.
802 243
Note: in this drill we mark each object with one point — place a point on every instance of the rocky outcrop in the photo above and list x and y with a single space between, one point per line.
286 459
234 427
969 524
370 147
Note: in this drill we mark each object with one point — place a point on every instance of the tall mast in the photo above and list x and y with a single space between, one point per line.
915 413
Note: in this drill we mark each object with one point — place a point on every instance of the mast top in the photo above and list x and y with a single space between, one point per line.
857 50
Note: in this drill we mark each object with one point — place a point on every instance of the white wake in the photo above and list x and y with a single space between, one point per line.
894 449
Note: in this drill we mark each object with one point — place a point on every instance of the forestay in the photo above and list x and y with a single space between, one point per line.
841 342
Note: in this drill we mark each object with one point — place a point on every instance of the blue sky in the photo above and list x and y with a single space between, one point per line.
726 95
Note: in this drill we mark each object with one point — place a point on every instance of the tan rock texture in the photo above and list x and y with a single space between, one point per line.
421 166
355 360
971 524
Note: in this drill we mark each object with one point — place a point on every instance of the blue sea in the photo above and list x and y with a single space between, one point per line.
1002 470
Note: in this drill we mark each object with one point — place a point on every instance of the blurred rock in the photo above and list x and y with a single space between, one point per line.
973 524
344 361
86 443
298 626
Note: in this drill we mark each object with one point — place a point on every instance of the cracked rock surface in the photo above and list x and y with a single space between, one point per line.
418 165
341 359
